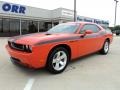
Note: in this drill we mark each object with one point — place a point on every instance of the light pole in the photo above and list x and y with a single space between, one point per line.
75 14
116 2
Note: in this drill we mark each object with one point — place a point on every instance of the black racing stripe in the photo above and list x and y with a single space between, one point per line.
58 40
14 39
69 38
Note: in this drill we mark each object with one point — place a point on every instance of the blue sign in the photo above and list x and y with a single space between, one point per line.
13 8
87 20
92 20
97 21
79 19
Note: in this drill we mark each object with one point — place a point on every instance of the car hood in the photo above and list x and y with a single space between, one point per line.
37 38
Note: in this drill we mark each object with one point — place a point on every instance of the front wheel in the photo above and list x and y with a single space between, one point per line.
105 48
58 60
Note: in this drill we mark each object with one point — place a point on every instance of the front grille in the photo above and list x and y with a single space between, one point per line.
16 46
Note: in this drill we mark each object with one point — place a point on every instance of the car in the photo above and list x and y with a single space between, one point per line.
55 48
117 32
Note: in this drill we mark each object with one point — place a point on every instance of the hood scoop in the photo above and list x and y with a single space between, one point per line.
47 34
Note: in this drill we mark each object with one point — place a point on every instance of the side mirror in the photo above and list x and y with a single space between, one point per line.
87 32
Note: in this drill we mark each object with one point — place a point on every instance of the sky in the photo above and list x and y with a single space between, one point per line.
99 9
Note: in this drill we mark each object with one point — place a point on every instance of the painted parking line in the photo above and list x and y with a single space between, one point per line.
29 84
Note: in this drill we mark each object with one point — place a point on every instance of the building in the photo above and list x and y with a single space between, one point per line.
19 19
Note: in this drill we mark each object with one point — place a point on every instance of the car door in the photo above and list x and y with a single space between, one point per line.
90 42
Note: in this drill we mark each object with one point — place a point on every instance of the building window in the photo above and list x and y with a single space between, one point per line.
24 26
48 25
56 23
33 26
28 26
9 27
6 25
1 26
14 27
41 26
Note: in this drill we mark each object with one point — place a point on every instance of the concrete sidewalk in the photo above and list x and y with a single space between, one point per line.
94 72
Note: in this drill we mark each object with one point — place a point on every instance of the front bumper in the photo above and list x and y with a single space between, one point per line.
18 62
28 59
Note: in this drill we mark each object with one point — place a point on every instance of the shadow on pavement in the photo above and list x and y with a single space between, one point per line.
44 72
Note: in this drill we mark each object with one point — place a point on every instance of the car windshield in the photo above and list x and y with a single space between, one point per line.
64 28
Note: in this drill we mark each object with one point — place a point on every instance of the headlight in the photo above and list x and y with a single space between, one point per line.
28 48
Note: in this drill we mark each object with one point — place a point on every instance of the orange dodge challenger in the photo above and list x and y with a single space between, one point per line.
56 47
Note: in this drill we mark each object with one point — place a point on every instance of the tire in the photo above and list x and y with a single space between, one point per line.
117 34
58 60
105 48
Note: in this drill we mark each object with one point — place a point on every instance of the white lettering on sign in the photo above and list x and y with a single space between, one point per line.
67 13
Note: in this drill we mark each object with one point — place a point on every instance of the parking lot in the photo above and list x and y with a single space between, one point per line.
93 72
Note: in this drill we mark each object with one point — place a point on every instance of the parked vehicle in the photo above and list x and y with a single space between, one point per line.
56 47
117 32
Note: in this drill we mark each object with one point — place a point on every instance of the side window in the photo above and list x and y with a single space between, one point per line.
92 27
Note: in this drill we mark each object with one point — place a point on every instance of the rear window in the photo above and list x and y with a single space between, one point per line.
107 29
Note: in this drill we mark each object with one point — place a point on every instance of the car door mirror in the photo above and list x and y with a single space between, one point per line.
87 32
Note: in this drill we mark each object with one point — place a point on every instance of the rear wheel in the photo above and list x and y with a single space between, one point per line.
58 60
105 48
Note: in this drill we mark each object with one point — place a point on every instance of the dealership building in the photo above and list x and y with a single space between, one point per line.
19 19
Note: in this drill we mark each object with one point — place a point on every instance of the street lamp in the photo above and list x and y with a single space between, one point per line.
116 2
75 14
